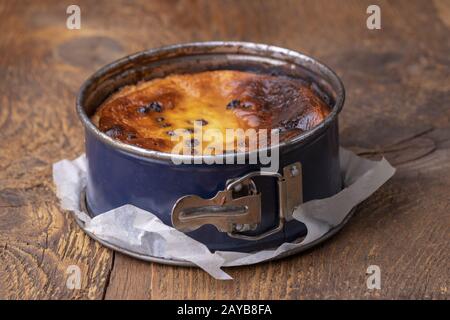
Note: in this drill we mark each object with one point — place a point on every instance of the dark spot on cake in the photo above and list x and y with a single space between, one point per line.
201 122
165 125
189 130
115 131
170 133
152 106
233 104
160 119
143 110
192 142
288 124
155 106
120 132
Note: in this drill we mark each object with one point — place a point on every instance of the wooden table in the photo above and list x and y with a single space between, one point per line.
398 106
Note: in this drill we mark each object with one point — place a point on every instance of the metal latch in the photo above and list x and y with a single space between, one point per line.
237 209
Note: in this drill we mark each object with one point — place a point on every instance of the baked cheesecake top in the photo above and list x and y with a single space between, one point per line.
152 114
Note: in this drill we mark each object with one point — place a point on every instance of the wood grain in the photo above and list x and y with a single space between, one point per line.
398 106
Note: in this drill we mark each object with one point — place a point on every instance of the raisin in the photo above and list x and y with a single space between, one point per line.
152 106
201 122
233 104
114 131
143 110
160 119
288 124
170 133
192 142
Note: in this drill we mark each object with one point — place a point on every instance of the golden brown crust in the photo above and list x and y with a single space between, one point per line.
148 114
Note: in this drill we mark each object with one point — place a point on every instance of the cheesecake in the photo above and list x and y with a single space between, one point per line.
155 114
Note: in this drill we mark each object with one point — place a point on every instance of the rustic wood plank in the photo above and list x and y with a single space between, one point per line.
397 106
38 126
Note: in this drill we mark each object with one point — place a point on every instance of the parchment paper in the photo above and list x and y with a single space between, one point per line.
142 232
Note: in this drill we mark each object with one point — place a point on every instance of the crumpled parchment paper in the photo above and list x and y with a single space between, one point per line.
142 232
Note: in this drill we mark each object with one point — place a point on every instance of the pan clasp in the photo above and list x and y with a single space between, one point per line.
237 209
